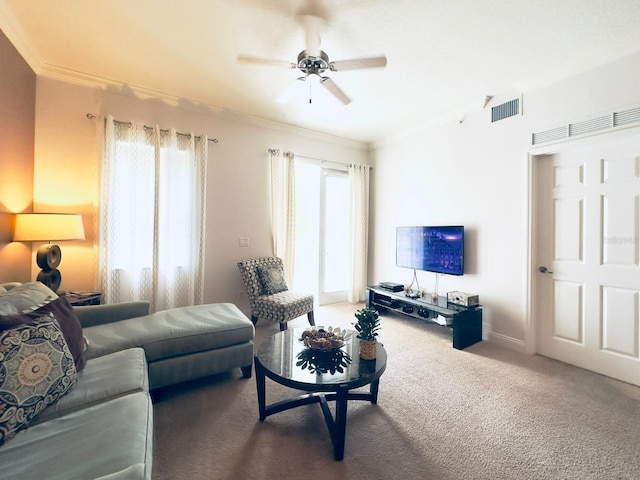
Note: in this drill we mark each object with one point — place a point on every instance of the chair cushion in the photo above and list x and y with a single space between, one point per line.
36 369
105 378
283 306
272 279
108 440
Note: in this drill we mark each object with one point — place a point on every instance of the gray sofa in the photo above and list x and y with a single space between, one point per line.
103 427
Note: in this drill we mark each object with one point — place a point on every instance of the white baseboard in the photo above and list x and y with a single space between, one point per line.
507 342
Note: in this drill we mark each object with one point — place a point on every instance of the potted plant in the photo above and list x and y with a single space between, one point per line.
367 326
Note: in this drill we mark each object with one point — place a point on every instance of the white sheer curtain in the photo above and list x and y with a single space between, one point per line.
359 231
151 215
283 219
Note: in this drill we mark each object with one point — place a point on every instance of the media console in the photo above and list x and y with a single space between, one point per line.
466 322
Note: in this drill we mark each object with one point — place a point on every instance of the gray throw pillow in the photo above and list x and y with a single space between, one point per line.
26 297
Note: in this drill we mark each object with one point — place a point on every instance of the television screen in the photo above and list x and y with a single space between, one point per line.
432 249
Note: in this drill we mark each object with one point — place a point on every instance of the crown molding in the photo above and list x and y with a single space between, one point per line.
19 39
92 81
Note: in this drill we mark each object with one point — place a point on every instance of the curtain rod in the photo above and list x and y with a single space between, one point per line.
91 116
321 160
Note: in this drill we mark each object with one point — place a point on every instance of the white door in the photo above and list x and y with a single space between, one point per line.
587 278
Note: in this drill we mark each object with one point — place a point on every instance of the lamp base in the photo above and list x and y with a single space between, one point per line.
48 256
51 278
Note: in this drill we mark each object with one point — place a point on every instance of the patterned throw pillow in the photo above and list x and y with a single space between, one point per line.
61 309
36 369
272 279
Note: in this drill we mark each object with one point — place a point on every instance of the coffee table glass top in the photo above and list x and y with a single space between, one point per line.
284 355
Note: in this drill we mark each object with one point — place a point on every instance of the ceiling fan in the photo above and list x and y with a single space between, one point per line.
313 61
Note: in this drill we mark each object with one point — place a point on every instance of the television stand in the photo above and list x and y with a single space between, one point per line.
466 322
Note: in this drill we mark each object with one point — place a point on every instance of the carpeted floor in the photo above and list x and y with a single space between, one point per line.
482 413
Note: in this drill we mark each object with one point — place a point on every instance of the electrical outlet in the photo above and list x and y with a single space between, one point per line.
243 241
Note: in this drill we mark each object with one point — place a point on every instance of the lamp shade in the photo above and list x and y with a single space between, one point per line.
47 227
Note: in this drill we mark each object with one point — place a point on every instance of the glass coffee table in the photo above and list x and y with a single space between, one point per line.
326 375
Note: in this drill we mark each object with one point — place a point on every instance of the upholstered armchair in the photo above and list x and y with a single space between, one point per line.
269 295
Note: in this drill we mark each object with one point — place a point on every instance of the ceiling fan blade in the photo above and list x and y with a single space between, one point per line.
330 85
264 61
357 63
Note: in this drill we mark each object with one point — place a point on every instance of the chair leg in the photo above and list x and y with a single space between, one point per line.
283 326
254 320
312 321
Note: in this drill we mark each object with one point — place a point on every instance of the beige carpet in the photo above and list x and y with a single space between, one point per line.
482 413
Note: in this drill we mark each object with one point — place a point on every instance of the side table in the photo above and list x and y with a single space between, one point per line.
81 299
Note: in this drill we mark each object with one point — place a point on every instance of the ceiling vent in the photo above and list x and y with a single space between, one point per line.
602 123
505 110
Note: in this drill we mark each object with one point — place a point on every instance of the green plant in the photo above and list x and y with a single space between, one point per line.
368 324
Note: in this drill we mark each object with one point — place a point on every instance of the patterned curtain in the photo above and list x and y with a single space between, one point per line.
151 215
283 209
359 231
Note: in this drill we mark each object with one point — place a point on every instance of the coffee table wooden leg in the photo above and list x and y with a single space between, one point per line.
260 386
340 425
373 388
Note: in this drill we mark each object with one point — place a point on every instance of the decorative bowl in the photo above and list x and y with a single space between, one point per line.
321 338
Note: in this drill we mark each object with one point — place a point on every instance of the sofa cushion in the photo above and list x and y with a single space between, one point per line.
173 332
113 439
272 279
61 309
103 379
25 297
36 369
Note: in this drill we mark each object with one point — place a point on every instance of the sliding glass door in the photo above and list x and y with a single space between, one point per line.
322 232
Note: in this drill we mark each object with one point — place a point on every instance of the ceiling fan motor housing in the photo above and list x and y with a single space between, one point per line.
311 65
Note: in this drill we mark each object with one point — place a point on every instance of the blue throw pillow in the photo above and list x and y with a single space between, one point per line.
36 369
272 279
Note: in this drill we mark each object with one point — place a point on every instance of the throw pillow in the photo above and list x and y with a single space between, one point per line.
25 297
61 309
272 279
36 369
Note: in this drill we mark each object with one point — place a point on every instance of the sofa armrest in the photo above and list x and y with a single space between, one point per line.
92 315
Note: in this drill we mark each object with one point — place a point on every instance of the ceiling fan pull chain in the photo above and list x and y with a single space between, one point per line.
310 82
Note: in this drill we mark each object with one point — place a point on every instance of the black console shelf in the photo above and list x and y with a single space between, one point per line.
466 322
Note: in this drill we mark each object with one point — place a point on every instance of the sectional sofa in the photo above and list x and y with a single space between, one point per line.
95 419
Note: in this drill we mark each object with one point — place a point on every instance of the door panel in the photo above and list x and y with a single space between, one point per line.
587 219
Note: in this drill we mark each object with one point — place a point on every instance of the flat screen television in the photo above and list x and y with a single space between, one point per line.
432 249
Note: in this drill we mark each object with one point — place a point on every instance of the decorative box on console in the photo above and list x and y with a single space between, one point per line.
461 298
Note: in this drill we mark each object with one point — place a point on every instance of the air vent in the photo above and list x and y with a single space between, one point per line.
628 116
591 125
598 124
505 110
551 135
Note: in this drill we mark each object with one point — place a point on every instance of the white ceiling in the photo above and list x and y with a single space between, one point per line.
444 56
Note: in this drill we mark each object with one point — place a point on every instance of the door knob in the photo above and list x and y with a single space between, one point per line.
544 269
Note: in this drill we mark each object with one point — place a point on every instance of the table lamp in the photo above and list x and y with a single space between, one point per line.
48 227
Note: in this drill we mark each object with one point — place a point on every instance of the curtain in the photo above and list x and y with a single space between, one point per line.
151 215
283 209
359 231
